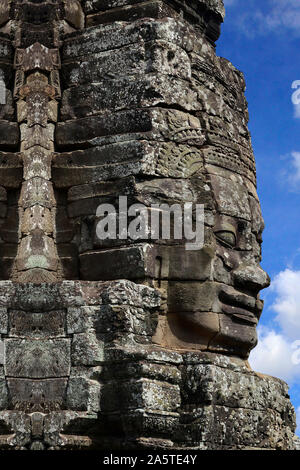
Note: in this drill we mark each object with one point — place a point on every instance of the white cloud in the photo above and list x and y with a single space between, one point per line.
291 173
278 352
284 13
296 98
274 356
286 285
257 17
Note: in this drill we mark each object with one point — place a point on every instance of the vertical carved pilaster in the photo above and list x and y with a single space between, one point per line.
37 91
37 31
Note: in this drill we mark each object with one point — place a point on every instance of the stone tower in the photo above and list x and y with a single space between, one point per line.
128 342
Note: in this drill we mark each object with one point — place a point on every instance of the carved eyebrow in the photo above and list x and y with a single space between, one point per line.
224 226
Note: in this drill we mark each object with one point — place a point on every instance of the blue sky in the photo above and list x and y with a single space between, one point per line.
261 38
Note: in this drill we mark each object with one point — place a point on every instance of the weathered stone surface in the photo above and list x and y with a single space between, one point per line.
17 428
64 420
92 6
149 9
83 394
233 200
119 94
10 170
9 132
253 428
115 35
3 394
125 159
38 358
29 324
147 261
152 124
38 395
150 57
35 298
87 349
37 217
81 319
145 393
3 321
129 263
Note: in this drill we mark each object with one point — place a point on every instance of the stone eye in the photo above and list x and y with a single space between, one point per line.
227 238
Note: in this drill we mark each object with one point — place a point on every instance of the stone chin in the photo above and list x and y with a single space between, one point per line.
233 332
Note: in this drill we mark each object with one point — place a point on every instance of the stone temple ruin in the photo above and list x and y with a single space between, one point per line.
128 343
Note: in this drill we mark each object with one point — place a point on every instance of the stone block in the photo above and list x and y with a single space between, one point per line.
37 395
193 297
124 263
38 358
3 321
141 261
231 199
152 124
148 9
68 254
37 163
27 324
11 172
124 159
37 218
36 298
141 394
120 321
163 372
83 394
81 319
148 423
132 60
238 388
119 94
218 427
9 132
37 191
87 349
124 292
37 251
4 403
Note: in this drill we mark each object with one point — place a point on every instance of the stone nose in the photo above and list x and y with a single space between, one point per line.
251 276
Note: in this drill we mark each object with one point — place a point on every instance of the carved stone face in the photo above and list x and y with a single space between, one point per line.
218 308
